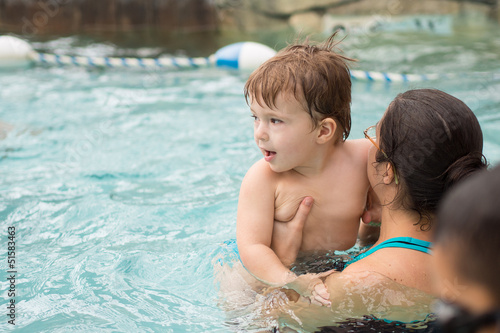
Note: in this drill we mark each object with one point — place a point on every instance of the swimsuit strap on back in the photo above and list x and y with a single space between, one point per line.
401 242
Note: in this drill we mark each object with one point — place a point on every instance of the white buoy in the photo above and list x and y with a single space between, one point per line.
14 52
243 56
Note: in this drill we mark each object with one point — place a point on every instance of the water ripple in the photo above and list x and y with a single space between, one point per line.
122 185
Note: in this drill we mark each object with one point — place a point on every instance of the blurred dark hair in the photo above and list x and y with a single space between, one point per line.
468 224
433 140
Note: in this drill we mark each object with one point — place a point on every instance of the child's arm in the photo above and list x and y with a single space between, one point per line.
254 226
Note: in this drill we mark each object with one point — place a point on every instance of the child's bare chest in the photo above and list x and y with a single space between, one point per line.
334 218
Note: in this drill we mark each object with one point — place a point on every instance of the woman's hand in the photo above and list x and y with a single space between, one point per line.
369 230
287 236
373 210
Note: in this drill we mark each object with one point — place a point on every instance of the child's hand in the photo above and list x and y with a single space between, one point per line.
320 294
312 287
288 235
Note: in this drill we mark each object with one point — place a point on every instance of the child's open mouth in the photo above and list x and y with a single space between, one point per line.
269 155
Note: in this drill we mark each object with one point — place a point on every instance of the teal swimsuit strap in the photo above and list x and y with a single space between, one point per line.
400 242
406 243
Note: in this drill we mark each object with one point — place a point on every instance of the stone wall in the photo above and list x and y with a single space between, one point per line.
307 15
66 17
146 18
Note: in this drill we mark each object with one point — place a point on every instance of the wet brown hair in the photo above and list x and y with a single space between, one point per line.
468 225
433 140
312 73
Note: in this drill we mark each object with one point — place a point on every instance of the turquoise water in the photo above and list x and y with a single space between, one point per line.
122 184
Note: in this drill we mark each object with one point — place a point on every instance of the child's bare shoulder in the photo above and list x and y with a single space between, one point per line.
260 173
358 145
358 149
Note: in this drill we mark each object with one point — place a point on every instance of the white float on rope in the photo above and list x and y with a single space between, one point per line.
14 52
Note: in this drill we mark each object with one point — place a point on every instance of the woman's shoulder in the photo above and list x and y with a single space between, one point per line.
368 263
404 266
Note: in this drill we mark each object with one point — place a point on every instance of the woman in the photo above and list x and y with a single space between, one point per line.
425 143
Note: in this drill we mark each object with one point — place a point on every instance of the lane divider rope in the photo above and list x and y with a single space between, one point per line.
185 62
167 62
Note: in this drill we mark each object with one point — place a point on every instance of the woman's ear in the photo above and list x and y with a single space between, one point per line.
389 174
327 130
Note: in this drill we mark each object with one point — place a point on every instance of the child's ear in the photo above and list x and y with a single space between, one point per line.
326 130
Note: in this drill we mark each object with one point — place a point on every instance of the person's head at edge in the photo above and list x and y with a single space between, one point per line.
428 140
466 252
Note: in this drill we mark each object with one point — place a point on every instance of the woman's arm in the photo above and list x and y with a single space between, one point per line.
287 236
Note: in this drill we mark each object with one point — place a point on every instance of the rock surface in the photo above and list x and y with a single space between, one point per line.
79 16
306 23
155 20
288 7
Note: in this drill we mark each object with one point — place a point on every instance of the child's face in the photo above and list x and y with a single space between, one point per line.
284 134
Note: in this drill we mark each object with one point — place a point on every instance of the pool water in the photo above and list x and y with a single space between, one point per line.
122 184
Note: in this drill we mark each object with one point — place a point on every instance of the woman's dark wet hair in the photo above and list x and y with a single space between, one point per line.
468 225
433 140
